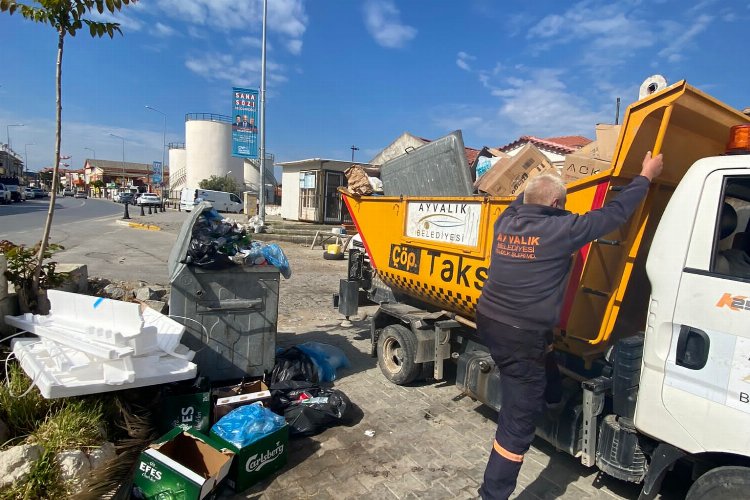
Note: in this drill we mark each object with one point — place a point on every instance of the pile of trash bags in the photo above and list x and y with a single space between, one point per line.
297 394
218 243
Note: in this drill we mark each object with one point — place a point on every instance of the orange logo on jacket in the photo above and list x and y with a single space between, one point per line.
516 247
735 303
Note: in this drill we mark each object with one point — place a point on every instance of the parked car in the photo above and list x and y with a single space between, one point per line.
16 192
29 193
68 192
80 194
40 193
149 199
4 195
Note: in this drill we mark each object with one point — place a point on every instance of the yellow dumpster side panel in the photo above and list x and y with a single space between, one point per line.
608 291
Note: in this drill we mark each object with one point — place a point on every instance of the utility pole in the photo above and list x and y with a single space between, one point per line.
262 190
354 148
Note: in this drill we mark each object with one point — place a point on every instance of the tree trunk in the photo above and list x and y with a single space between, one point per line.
56 167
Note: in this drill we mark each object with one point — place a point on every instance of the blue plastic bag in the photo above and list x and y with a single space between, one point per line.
327 358
247 424
275 256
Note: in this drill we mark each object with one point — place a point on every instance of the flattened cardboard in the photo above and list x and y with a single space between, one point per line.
181 464
509 176
579 165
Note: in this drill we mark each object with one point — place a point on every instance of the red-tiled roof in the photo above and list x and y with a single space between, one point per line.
549 144
573 141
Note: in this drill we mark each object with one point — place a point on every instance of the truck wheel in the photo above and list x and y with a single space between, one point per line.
727 483
397 348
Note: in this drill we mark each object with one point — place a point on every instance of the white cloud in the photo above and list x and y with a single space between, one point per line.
683 36
286 18
225 67
463 61
163 30
383 22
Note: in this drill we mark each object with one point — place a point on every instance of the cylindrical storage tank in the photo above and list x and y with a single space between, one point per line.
252 175
208 142
177 165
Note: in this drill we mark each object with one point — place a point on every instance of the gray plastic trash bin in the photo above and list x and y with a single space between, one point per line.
237 306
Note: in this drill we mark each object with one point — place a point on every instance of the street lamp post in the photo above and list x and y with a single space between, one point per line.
92 152
123 155
26 159
163 146
85 177
7 131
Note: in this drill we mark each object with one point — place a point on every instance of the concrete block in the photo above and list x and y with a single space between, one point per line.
8 306
78 278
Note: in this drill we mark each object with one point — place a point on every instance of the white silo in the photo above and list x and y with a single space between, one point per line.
208 142
177 167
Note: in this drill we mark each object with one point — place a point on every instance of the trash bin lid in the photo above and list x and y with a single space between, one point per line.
181 245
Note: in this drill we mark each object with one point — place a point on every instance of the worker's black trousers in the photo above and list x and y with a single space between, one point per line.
521 356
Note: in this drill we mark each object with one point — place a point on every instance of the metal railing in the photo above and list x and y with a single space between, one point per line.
208 117
176 145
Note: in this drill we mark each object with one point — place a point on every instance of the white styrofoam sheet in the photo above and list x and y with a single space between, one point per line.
60 371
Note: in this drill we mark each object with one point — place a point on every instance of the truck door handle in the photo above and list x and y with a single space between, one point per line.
692 348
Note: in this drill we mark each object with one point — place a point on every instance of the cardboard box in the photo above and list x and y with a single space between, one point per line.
486 158
228 398
509 176
603 148
181 464
257 460
579 165
186 405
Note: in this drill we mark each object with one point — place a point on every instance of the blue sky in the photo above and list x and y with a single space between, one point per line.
348 72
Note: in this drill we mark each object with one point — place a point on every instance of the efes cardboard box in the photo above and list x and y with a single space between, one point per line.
579 165
186 405
257 460
228 398
509 176
182 464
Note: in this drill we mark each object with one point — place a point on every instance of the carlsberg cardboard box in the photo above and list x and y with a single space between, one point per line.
182 464
185 405
257 460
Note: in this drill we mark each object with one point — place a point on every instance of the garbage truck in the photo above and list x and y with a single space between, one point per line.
652 341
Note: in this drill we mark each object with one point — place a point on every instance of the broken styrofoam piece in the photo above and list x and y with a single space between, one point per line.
60 371
168 333
70 338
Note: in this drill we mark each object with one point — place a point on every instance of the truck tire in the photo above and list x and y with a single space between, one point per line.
726 483
397 349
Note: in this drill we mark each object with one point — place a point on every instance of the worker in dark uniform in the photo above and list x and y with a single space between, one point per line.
534 240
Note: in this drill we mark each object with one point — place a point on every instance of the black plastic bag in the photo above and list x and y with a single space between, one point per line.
293 364
206 255
308 408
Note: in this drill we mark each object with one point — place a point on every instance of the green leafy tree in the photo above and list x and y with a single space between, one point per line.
219 183
66 17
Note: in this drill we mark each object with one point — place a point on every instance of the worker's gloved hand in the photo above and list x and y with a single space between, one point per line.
652 166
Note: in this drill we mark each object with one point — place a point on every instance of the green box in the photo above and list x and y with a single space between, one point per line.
186 406
181 465
257 460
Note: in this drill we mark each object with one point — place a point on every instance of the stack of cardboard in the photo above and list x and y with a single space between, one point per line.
594 157
509 175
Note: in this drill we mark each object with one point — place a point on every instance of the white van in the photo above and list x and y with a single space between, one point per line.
221 201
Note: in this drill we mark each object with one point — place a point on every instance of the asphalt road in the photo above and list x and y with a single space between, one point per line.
89 233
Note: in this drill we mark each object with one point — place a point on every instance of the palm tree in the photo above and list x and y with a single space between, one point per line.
66 17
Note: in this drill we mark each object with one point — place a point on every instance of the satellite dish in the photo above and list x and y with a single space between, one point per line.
652 84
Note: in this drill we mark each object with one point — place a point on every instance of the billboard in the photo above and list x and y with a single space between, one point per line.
156 172
245 122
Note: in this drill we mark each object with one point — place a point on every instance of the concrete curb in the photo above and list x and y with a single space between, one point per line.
138 225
